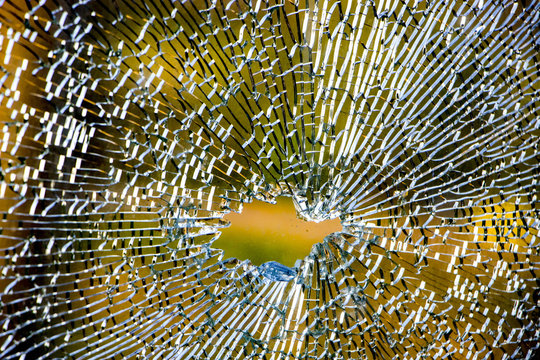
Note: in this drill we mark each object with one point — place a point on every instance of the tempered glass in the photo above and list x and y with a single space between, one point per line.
130 129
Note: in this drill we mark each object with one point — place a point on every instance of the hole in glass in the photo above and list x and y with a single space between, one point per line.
265 232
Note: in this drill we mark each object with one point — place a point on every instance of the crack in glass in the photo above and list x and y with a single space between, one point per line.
131 128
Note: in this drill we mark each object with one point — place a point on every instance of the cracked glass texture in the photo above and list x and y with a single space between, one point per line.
131 128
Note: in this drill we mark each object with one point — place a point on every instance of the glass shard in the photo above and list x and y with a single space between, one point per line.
275 271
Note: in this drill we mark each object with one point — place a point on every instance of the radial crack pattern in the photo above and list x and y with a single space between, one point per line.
130 128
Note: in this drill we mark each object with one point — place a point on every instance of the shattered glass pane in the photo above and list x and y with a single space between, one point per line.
130 128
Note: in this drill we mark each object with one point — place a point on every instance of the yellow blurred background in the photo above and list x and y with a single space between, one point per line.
264 232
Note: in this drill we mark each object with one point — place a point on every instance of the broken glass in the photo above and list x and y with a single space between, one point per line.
131 128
